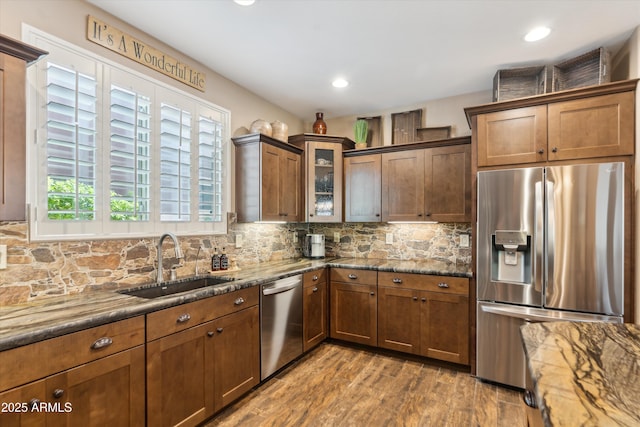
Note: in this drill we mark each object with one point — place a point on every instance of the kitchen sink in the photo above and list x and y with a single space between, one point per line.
170 288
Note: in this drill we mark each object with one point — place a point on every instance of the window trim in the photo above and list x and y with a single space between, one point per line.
41 229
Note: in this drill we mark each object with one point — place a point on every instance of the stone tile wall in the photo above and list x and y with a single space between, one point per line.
40 269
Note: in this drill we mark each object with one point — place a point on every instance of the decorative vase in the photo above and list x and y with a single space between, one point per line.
261 126
319 126
360 145
280 130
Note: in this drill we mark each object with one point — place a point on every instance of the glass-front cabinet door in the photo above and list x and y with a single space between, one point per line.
324 182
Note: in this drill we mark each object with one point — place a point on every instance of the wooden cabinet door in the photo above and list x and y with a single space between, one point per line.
399 319
512 136
324 181
444 321
363 186
403 186
290 193
314 310
12 138
20 409
236 343
353 311
180 386
108 391
272 178
592 127
448 183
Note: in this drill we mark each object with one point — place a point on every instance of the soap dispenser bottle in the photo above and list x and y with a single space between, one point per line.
224 260
215 261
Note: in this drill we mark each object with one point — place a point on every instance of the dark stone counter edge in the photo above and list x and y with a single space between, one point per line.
132 306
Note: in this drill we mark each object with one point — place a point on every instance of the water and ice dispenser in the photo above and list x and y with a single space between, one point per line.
511 256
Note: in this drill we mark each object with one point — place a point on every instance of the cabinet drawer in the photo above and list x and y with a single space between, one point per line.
31 362
313 278
168 321
424 282
354 275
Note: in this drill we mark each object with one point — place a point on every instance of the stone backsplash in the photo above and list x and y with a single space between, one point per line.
40 269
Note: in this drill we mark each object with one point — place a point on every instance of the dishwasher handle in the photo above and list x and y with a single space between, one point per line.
280 286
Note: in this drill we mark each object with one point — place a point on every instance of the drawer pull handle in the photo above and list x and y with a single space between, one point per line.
443 285
315 277
57 393
352 276
183 318
101 343
220 330
239 301
315 289
396 280
210 333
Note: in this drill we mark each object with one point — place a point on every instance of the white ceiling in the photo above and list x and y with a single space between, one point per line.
395 53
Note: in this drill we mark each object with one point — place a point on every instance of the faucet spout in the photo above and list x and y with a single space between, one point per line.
178 252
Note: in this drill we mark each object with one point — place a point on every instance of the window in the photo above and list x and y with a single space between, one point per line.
118 154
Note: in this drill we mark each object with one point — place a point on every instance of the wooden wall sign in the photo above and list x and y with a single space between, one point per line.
122 43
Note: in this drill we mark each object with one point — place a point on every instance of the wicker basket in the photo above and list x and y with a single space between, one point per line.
433 133
519 83
591 68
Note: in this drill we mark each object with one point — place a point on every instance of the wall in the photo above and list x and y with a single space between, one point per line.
437 112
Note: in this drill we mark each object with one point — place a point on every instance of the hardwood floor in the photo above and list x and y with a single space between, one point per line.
337 385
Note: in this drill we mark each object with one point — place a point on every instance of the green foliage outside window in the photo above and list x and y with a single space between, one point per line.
61 202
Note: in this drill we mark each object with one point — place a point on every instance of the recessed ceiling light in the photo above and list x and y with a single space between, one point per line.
537 33
340 83
245 2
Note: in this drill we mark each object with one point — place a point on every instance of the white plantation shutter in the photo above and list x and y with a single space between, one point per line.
71 143
126 154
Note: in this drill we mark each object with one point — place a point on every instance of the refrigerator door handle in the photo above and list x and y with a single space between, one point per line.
538 264
549 250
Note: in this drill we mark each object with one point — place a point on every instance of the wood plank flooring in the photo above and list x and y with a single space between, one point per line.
339 385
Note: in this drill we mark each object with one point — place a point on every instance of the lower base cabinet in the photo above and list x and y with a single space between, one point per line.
193 373
315 309
424 315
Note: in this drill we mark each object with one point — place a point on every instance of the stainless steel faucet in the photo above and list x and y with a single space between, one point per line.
159 250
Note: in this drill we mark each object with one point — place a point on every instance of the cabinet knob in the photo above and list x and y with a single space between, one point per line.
541 151
554 149
283 214
183 318
377 215
310 214
34 404
397 280
427 214
352 276
419 214
58 393
101 343
423 299
415 298
443 285
315 277
239 301
219 330
372 293
210 333
315 289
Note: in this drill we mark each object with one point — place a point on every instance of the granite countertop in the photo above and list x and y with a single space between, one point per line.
50 317
585 373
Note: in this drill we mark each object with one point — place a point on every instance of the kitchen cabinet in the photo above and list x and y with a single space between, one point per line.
315 308
426 315
323 166
428 184
14 57
353 305
201 356
95 374
363 188
577 124
268 179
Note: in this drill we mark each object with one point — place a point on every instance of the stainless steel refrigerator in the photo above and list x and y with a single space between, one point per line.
550 246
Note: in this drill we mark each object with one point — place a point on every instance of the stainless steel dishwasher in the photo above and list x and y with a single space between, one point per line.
280 323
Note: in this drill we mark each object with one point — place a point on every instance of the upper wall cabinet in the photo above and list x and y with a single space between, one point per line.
268 179
323 175
14 56
577 124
